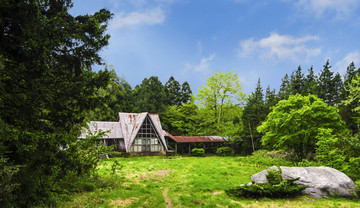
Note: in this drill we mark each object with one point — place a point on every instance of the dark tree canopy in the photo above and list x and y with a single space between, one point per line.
47 87
149 96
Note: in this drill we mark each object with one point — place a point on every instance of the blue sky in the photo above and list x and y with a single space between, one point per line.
191 39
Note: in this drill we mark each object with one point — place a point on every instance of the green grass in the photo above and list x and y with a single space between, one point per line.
185 182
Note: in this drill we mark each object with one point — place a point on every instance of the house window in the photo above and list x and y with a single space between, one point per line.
147 139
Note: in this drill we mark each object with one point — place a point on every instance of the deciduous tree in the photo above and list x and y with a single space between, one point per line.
294 124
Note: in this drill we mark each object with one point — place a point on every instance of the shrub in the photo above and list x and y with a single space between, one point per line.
199 152
276 188
225 151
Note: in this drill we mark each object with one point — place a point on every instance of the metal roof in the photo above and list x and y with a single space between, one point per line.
191 139
112 129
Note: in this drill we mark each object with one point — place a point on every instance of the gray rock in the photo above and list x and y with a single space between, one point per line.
322 182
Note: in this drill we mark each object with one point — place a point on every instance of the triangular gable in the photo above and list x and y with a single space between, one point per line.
154 118
136 127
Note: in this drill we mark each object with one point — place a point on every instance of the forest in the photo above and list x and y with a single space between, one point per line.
49 92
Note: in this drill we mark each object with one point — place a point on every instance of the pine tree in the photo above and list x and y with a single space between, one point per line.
346 111
186 93
173 92
284 90
329 86
254 114
310 83
296 84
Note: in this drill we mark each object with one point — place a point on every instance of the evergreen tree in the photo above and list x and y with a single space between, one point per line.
173 92
329 86
149 96
284 90
296 84
254 113
47 88
186 93
346 111
270 99
310 83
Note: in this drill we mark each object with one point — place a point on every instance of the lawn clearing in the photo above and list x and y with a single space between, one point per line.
184 182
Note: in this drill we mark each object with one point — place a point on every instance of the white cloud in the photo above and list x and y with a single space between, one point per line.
149 17
280 47
342 65
204 63
319 7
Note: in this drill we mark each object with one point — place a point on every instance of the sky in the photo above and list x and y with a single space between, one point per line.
192 39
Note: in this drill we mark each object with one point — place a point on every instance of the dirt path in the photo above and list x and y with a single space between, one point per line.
167 199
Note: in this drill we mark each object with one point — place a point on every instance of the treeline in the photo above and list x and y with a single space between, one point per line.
327 85
149 96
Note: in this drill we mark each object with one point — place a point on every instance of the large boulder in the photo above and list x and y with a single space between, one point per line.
322 182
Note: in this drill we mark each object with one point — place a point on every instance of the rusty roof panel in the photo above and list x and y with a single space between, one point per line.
188 139
113 128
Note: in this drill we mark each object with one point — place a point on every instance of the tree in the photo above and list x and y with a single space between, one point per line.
294 124
149 96
329 86
186 93
310 83
297 82
220 91
173 92
117 96
284 90
346 108
47 87
270 99
254 114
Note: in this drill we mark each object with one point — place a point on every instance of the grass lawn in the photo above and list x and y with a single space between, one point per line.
184 182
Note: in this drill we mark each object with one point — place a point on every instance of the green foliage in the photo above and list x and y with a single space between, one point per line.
341 152
198 152
274 176
149 96
254 114
329 88
276 188
225 151
286 188
47 87
116 166
294 124
220 91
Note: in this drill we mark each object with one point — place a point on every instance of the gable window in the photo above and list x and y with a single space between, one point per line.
147 139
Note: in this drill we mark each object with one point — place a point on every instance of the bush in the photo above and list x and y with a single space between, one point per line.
225 151
276 188
199 152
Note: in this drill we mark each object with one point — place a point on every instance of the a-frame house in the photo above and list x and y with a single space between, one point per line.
133 133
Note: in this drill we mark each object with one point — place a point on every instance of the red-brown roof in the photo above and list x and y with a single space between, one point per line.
188 139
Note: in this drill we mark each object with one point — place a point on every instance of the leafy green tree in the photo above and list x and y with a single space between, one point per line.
47 87
117 96
181 119
220 91
149 96
294 124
